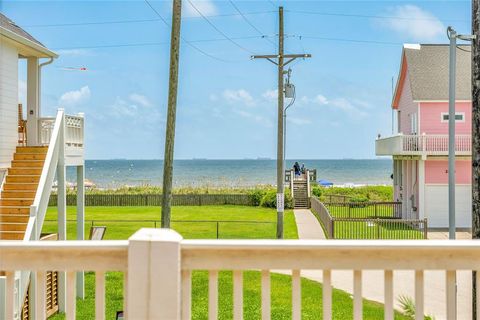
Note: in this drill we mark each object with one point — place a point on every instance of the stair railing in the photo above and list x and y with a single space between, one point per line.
40 204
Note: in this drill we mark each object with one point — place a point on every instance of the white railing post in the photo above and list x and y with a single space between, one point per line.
62 210
154 275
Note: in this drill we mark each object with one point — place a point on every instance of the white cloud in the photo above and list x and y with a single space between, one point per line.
414 22
140 99
75 52
257 118
270 95
122 108
75 97
298 121
353 110
320 99
241 95
206 7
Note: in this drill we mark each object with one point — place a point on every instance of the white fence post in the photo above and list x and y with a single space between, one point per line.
154 275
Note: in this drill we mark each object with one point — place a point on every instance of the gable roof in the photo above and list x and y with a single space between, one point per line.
428 71
9 29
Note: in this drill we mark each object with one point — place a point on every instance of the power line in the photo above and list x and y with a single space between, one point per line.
345 40
367 16
87 23
150 43
251 24
183 39
217 29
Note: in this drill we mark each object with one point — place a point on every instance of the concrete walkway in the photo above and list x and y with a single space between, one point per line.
435 296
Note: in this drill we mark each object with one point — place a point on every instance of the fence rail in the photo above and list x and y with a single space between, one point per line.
163 288
362 210
376 221
156 200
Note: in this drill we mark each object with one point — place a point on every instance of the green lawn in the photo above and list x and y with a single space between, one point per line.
189 230
375 230
280 286
361 211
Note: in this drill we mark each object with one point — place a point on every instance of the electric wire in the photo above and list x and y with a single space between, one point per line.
217 29
250 23
185 40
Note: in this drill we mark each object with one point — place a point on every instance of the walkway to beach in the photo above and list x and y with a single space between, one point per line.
435 297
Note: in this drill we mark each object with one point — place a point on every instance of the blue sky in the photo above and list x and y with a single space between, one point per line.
227 102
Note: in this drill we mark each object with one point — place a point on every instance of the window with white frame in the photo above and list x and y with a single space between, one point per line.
459 117
414 123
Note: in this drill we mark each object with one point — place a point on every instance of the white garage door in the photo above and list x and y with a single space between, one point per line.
436 206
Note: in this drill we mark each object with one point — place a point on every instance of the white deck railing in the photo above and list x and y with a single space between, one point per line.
74 130
158 268
422 144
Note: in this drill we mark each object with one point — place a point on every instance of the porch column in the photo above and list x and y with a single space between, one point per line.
33 101
404 189
80 223
421 189
62 213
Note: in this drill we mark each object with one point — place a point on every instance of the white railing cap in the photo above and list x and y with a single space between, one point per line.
155 234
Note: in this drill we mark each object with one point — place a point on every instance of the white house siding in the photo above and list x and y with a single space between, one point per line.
436 205
8 102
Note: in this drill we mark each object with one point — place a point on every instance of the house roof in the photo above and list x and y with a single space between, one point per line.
428 72
9 29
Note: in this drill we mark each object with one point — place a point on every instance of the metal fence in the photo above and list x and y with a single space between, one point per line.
156 199
337 198
212 229
336 227
364 210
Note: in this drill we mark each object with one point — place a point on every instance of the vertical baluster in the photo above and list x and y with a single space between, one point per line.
477 295
265 295
71 295
125 292
296 295
451 294
40 291
419 295
327 295
99 295
357 295
388 277
186 294
10 295
237 295
213 295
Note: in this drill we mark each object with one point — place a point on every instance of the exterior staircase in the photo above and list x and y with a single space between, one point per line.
300 194
18 191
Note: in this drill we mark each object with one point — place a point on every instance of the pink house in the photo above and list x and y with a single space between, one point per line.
420 147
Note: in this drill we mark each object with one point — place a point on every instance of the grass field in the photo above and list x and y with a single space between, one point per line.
106 216
280 286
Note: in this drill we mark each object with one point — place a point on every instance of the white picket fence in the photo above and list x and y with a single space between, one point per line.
158 266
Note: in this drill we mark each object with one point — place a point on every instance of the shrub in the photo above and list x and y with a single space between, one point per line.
256 196
269 200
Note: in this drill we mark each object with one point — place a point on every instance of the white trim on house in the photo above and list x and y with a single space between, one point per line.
44 52
422 101
443 114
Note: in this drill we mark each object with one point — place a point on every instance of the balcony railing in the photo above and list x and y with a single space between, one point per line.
158 266
422 145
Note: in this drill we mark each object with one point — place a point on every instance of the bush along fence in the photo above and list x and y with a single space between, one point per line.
156 199
382 227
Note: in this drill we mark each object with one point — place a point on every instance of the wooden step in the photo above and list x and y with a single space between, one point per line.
12 235
18 218
29 156
27 163
23 178
15 210
6 194
20 186
17 202
13 226
40 150
25 171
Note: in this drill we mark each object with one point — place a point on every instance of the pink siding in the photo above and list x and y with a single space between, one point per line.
436 171
406 106
430 118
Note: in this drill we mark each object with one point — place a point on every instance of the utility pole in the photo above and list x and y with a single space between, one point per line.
171 114
279 60
451 132
475 140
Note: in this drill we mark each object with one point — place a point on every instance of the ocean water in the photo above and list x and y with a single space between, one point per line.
228 173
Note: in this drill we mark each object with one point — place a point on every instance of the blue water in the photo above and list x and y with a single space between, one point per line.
228 173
